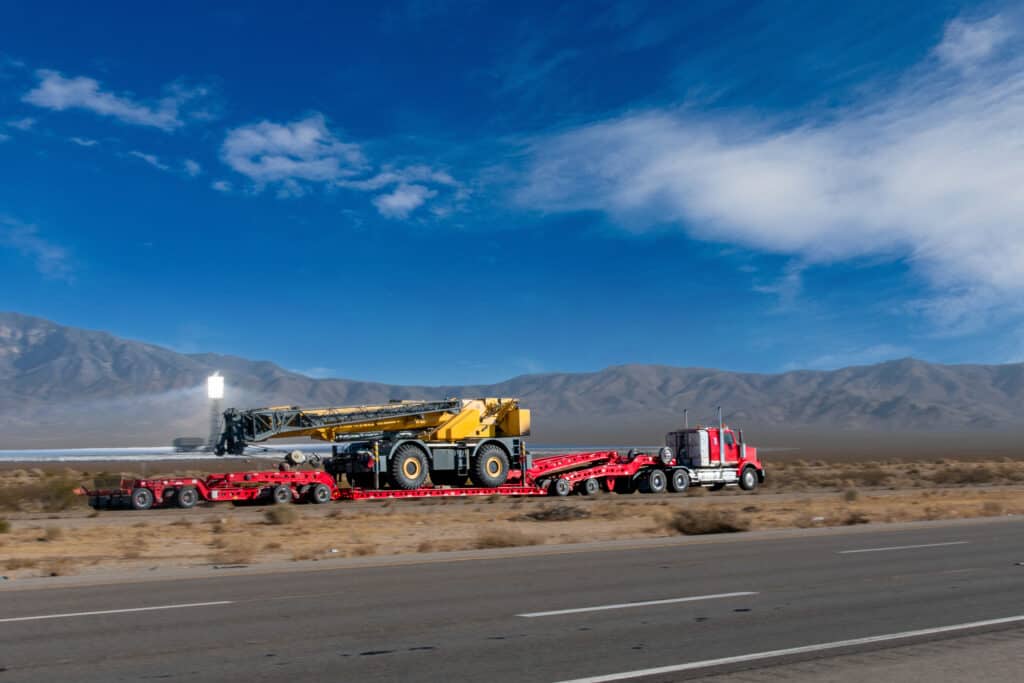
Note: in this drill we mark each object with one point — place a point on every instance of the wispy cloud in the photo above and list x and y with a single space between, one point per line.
862 356
221 186
58 93
51 260
83 142
4 137
966 44
928 172
293 156
23 124
192 168
150 159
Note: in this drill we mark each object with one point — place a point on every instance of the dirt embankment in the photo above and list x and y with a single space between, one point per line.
46 530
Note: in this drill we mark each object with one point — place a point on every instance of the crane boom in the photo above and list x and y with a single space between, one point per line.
447 420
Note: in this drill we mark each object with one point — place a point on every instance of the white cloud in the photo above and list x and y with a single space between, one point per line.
83 142
221 186
192 168
50 260
58 93
150 159
4 137
22 124
929 172
966 44
303 150
403 200
844 359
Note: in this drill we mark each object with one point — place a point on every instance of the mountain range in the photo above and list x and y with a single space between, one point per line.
64 386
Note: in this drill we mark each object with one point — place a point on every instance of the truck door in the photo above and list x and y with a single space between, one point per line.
731 447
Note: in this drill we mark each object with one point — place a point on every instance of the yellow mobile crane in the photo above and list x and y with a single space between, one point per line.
401 442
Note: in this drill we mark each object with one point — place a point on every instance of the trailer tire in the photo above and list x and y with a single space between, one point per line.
560 487
408 467
320 494
748 479
590 487
654 481
490 466
187 497
679 481
142 499
281 494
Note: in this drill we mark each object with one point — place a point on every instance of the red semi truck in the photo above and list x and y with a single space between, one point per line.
712 457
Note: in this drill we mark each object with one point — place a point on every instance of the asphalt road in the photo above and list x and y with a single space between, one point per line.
747 607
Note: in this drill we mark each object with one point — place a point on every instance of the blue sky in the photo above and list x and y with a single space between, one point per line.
429 192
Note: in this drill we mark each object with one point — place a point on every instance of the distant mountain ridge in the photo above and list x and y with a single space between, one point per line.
65 384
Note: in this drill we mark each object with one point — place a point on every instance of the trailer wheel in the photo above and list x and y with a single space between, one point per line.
679 481
320 494
590 487
281 494
560 487
187 497
748 479
408 467
490 466
142 499
654 481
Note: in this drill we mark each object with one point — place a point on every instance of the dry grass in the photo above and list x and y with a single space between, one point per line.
43 494
558 513
5 526
506 538
281 515
707 521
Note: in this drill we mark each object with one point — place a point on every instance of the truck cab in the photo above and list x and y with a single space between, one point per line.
716 457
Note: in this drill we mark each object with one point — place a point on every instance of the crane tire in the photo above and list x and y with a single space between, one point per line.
408 467
590 487
142 499
320 494
679 481
281 494
748 479
490 466
187 497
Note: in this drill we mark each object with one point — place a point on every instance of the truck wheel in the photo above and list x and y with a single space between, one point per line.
560 487
490 466
679 481
748 479
320 494
281 494
408 467
142 499
187 497
590 487
654 481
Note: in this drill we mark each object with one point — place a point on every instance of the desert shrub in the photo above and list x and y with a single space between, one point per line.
507 538
281 514
871 475
992 509
5 526
364 549
558 513
52 533
20 563
51 494
855 517
850 495
964 475
233 554
710 521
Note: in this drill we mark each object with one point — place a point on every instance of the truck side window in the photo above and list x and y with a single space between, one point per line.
729 440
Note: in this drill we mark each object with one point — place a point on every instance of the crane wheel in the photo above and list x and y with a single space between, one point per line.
748 479
490 466
590 487
281 494
320 494
560 487
142 499
187 497
654 481
679 481
408 467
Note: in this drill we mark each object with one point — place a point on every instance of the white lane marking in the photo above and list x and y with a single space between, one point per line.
901 547
116 611
624 605
754 656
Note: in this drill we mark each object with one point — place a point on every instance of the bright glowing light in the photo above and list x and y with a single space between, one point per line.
215 386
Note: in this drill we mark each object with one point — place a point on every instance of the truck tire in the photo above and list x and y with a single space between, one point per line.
408 467
281 494
654 481
748 479
142 499
187 497
490 466
590 487
560 487
679 481
320 494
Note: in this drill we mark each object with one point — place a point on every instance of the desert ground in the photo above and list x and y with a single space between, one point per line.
46 530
